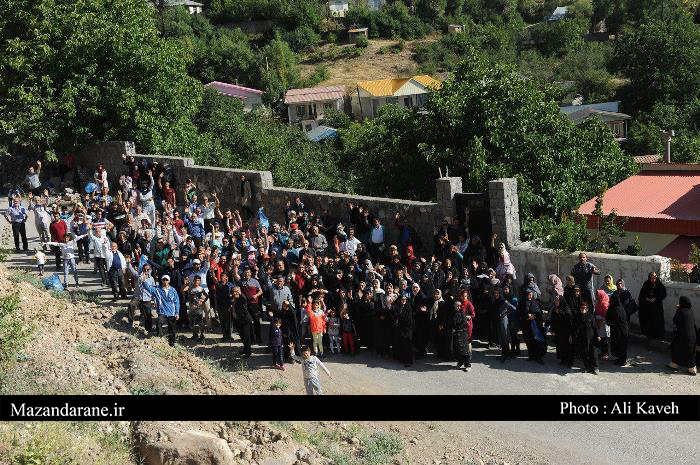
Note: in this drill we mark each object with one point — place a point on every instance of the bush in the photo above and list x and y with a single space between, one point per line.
361 42
303 38
320 74
13 333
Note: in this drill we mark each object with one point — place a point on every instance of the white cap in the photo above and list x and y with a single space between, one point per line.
165 277
196 260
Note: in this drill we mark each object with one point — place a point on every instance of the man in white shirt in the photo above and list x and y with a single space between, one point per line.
350 244
376 240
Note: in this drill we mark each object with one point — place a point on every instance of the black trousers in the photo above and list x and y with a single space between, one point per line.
244 332
225 319
146 314
101 265
406 351
84 250
116 281
58 256
464 360
171 323
514 342
19 230
254 310
277 355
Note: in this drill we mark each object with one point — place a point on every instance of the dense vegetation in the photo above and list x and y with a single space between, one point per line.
74 72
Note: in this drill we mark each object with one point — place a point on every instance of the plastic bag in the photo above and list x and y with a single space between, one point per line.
262 219
53 282
536 333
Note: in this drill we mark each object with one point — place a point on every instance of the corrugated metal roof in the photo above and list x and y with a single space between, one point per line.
672 195
643 159
388 87
581 115
314 94
233 90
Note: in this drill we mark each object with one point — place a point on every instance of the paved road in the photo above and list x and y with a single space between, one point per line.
560 443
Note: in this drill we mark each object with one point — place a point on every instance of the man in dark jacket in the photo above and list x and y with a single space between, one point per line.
239 306
223 305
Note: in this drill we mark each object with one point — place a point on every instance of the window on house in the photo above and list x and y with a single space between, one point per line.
407 102
327 106
301 111
421 100
392 100
618 129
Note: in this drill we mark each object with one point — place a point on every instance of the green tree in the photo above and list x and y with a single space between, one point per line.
76 72
661 60
565 236
278 69
255 141
511 129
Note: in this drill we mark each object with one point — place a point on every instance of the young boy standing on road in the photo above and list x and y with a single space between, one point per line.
276 344
40 258
310 364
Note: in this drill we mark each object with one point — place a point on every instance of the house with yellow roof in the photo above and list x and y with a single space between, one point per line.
409 92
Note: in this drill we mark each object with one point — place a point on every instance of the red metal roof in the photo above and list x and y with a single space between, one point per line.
233 90
655 201
314 94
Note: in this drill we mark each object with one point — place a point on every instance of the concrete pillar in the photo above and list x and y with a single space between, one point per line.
505 213
446 188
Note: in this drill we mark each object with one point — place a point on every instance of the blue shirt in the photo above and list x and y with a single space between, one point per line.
17 214
167 301
195 228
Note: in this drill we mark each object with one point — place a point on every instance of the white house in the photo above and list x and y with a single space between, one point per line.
608 112
375 4
252 98
306 107
337 8
190 6
408 92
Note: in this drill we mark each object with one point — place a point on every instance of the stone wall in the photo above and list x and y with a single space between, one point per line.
634 270
226 183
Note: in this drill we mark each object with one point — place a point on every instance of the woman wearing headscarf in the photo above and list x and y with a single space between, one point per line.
531 320
569 292
683 346
436 312
555 287
530 285
504 266
624 295
616 318
601 309
381 327
421 318
462 324
561 323
608 285
513 321
585 338
504 309
405 327
651 307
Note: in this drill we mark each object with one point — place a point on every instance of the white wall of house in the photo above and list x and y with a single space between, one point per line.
651 243
338 8
252 102
409 95
309 113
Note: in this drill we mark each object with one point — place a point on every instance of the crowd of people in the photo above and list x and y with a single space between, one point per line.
327 285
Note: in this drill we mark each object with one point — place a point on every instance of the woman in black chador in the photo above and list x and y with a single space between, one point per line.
561 324
584 338
531 322
405 327
684 337
616 318
651 307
